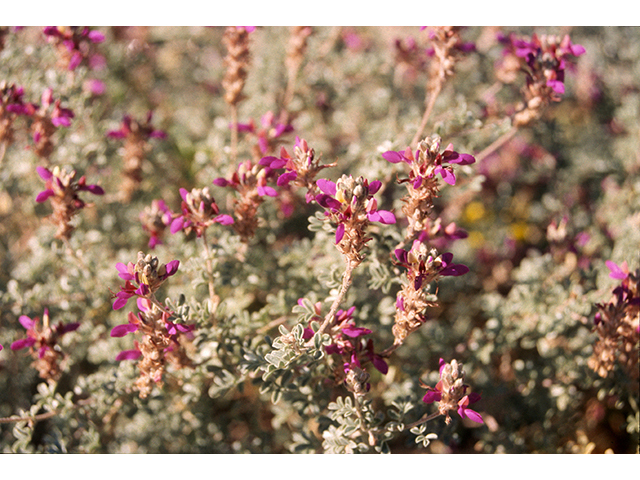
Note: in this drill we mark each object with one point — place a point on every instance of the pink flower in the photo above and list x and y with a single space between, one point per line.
143 278
44 338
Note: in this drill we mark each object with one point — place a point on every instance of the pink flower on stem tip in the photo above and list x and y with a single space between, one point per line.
43 338
61 184
450 392
423 167
344 198
143 278
132 128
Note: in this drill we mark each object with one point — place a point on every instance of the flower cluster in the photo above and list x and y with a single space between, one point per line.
155 219
545 60
451 393
162 342
62 189
199 211
268 134
422 185
300 169
349 203
236 39
45 118
43 344
11 106
617 324
136 135
143 278
250 181
74 45
423 266
49 116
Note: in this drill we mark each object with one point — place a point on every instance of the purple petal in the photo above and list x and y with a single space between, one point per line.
339 233
124 271
266 190
285 178
26 322
401 255
120 302
161 134
432 396
177 225
42 196
116 134
380 364
400 303
327 186
417 182
458 158
172 267
69 327
327 201
224 219
44 173
454 270
355 332
470 414
616 271
95 36
129 355
446 174
95 189
122 330
386 217
220 182
25 342
272 162
374 187
556 85
393 156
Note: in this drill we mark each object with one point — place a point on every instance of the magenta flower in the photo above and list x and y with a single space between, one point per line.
348 199
134 130
348 344
546 57
427 168
155 219
44 338
271 130
248 177
451 394
74 43
425 264
143 278
199 211
61 184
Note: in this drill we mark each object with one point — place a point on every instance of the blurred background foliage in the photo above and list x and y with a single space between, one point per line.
521 321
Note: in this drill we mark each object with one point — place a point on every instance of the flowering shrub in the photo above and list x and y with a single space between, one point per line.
409 201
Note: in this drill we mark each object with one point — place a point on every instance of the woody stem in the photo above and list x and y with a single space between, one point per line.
346 283
213 298
499 142
424 419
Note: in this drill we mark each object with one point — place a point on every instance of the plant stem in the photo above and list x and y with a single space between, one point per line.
346 283
424 419
427 113
499 142
365 429
234 134
213 298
